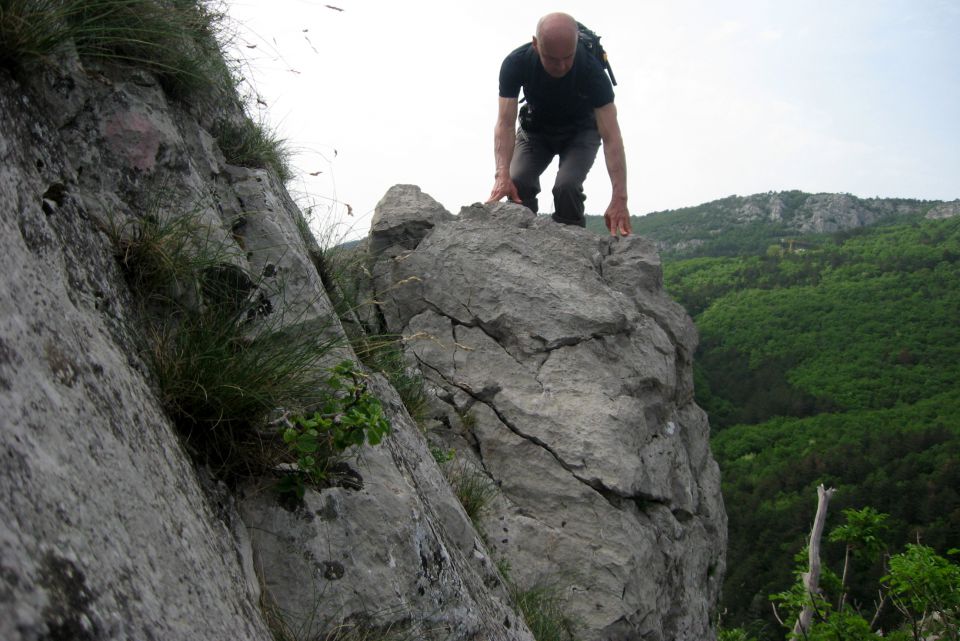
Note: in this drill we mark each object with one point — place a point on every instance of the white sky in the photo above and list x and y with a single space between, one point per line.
715 97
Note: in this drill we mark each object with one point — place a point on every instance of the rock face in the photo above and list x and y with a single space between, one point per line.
822 213
108 530
562 372
398 554
721 224
944 210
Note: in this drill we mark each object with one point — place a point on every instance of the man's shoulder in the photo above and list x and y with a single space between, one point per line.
521 55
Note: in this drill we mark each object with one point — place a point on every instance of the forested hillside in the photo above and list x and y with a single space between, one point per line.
836 362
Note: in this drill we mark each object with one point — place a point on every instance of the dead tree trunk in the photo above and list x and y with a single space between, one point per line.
811 578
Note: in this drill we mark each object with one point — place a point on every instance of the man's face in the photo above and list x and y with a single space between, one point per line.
556 54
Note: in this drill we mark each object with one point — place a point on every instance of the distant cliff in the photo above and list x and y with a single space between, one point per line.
748 224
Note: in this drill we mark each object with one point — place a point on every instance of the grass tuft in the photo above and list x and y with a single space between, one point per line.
384 353
359 627
222 357
473 489
31 30
541 606
178 40
544 612
254 144
163 259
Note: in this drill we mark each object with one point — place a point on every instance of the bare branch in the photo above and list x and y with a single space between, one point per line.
811 578
776 615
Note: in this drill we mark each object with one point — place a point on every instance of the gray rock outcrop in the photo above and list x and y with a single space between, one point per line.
944 210
108 528
562 372
398 554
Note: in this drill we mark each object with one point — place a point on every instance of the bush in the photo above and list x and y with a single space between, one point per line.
733 634
348 418
343 275
925 589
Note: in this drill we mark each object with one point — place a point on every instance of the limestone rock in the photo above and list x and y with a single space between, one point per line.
398 553
411 216
567 369
832 212
107 528
106 531
944 210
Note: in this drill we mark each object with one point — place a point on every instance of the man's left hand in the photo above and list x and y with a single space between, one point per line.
617 219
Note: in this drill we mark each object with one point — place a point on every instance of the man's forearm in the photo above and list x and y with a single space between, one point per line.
616 160
504 139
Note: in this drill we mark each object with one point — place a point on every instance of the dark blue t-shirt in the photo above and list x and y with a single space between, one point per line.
556 102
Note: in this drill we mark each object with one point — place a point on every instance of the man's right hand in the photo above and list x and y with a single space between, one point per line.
504 187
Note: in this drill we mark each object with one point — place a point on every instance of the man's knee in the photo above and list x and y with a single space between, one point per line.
568 197
568 190
527 183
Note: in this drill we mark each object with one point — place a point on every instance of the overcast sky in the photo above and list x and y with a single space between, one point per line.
714 97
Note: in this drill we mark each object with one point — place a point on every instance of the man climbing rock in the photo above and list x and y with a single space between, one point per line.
568 111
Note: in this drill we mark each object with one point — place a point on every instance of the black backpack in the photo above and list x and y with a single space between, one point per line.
591 42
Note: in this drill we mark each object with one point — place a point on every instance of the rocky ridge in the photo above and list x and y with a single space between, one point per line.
562 372
776 214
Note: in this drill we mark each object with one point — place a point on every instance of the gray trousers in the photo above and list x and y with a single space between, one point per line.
532 155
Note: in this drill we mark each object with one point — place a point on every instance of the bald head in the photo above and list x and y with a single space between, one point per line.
557 26
556 43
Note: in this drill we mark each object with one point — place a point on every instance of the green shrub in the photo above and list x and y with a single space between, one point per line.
733 634
925 588
442 456
349 417
345 277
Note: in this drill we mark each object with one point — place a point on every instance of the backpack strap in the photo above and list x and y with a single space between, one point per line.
591 42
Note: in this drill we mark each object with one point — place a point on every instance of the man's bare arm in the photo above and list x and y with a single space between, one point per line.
504 139
617 216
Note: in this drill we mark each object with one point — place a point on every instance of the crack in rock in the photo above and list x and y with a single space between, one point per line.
609 494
